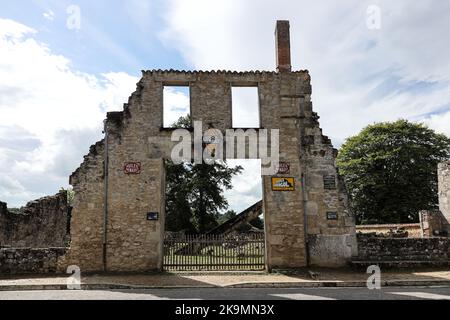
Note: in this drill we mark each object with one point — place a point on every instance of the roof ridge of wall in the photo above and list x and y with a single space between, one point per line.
250 72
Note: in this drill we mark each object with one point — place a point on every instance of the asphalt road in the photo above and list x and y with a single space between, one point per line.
403 293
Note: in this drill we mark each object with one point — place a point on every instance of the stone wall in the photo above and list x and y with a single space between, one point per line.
110 229
41 223
444 192
433 224
29 260
135 135
390 249
330 223
414 229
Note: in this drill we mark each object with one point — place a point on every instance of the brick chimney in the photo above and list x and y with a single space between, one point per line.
283 44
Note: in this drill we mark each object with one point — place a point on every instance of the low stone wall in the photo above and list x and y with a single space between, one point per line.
372 248
41 223
414 230
30 261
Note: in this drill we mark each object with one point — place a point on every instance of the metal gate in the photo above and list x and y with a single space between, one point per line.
243 252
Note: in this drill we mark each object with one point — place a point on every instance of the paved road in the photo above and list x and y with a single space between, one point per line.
412 293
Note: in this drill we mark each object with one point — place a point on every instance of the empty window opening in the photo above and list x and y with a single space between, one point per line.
176 106
245 107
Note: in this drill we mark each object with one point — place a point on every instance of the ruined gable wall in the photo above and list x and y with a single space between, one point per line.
87 214
331 226
136 244
135 135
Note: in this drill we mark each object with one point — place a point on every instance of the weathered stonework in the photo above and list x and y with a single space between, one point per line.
377 249
444 192
41 223
292 219
433 223
30 260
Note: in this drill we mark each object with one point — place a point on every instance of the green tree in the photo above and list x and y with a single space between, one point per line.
195 193
230 214
208 183
70 195
183 122
390 170
178 207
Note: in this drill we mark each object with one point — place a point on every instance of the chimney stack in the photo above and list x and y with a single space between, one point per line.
283 44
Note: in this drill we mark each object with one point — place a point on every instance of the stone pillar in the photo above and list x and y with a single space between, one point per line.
444 191
283 46
284 211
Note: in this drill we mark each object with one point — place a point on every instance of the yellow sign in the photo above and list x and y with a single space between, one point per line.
283 184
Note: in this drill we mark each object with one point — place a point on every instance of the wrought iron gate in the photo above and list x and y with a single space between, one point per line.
243 252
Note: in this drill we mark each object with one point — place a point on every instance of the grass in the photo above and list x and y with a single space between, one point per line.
247 257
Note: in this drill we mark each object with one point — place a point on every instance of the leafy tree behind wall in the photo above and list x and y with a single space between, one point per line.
390 171
195 193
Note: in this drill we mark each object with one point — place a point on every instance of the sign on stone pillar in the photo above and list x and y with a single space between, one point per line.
283 184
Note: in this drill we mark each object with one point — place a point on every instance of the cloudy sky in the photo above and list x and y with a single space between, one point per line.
64 64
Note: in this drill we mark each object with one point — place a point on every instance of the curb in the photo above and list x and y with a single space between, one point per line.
268 285
347 284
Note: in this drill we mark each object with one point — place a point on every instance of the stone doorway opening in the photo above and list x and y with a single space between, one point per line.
235 240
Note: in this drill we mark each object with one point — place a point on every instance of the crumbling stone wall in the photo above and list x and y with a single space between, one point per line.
433 224
330 223
110 229
444 192
135 135
41 223
403 249
30 260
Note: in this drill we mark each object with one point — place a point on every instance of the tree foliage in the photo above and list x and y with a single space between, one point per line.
195 192
70 195
390 170
195 195
230 214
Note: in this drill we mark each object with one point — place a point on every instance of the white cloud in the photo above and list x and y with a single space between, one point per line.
247 186
245 105
359 75
49 15
176 104
49 114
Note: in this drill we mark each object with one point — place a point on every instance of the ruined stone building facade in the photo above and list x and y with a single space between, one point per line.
309 225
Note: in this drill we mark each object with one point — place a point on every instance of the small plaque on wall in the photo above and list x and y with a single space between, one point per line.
329 182
284 168
152 216
132 168
332 215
